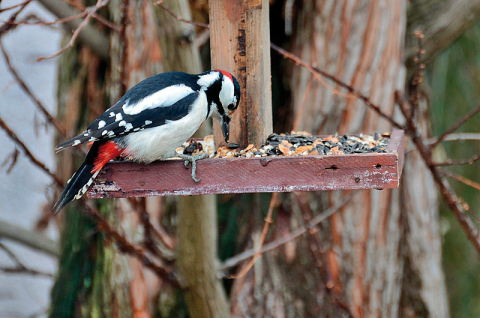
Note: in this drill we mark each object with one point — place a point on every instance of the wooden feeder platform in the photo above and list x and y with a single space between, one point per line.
247 175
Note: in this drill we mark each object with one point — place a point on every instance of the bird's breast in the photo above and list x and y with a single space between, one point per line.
160 142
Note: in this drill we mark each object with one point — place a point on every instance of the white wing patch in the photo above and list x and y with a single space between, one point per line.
163 98
101 124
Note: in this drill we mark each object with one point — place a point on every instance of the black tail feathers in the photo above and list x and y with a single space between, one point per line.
80 181
76 187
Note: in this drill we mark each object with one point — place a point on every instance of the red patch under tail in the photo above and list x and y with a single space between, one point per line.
106 152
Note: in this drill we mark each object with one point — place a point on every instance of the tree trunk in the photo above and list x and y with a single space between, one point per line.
362 44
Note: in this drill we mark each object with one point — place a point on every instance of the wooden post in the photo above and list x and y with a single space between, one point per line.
240 44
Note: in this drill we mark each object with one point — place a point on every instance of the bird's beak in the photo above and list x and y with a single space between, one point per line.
226 127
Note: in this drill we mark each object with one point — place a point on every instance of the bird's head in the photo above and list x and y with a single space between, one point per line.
223 95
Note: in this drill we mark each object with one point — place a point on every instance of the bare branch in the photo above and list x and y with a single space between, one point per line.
19 268
88 35
97 17
90 12
234 261
11 21
164 251
462 179
13 156
15 6
449 162
126 247
29 93
455 126
268 221
457 137
315 70
161 5
24 270
28 238
30 156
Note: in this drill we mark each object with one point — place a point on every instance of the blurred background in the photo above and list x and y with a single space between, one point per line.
390 253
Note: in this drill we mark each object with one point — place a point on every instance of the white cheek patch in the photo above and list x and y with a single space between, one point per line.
227 95
163 98
208 79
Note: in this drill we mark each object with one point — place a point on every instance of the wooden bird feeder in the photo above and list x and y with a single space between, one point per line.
240 44
266 174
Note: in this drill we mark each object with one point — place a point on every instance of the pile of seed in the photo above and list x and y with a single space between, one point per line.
294 144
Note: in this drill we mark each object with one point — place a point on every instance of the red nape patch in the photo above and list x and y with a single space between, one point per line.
106 152
225 73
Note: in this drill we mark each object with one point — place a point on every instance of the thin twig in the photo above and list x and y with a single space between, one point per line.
449 162
28 238
457 137
178 18
234 261
455 126
166 251
162 271
268 221
29 93
10 25
28 271
41 22
462 179
15 6
91 11
97 17
27 151
19 268
314 69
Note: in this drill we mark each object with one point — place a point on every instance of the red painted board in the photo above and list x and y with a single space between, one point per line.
266 174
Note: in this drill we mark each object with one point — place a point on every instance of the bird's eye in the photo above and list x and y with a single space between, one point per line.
231 106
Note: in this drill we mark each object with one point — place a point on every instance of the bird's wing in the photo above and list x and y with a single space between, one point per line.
141 108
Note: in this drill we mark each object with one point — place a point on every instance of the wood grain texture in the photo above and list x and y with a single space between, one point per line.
240 44
241 175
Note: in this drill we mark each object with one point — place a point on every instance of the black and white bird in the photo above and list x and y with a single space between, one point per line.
151 120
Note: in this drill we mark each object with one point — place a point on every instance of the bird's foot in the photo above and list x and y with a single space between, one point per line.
193 159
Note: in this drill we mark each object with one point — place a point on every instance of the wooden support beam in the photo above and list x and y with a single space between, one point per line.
266 174
240 44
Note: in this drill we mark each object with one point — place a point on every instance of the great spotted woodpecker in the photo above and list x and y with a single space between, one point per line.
150 121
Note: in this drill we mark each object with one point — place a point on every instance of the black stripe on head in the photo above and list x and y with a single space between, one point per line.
213 95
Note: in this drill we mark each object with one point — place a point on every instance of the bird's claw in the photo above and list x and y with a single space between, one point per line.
193 160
